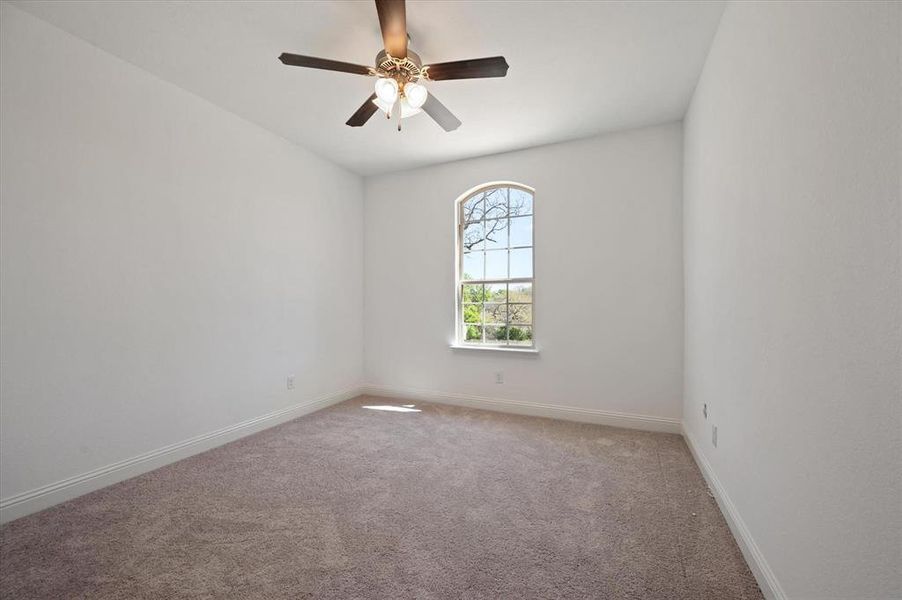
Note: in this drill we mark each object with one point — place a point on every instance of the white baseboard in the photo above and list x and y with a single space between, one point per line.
566 413
767 581
46 496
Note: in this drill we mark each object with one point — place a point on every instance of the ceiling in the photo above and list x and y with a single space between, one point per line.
576 68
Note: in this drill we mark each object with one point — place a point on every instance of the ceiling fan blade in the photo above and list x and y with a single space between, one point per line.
298 60
393 22
494 66
440 114
363 114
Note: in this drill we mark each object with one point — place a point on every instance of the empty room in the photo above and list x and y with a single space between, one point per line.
451 299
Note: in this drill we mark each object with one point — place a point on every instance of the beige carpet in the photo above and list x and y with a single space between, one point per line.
351 502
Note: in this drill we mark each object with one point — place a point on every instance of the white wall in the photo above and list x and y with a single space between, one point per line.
793 287
608 268
165 264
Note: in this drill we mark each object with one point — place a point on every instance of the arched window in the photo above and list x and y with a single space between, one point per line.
495 286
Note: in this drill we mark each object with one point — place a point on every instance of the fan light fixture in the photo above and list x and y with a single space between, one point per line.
399 71
412 97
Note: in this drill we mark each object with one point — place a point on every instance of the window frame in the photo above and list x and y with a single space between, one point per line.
459 282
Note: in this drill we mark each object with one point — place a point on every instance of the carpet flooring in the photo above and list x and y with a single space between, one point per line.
354 502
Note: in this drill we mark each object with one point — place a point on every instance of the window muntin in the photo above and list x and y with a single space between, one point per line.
495 267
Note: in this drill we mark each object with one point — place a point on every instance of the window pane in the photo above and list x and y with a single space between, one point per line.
471 293
496 264
496 233
496 313
520 292
473 209
496 292
474 265
472 333
496 334
521 231
521 202
472 313
521 262
496 245
496 203
474 234
520 336
520 314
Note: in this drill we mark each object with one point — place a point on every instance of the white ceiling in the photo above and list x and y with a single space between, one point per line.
576 68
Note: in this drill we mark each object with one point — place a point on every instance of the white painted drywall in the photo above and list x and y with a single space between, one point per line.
608 262
165 264
793 287
644 59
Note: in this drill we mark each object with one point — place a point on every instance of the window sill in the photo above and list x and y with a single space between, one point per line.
503 349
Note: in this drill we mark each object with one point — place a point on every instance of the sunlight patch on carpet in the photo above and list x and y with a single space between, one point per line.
388 407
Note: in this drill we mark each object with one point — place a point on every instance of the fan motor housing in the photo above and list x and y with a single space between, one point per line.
404 70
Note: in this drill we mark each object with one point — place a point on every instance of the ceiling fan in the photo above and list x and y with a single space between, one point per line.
399 92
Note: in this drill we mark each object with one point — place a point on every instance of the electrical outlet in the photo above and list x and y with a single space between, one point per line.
290 382
499 377
714 435
705 409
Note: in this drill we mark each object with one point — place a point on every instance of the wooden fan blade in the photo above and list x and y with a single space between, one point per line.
494 66
363 114
393 22
297 60
440 113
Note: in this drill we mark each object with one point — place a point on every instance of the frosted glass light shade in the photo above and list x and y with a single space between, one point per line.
406 109
387 90
416 94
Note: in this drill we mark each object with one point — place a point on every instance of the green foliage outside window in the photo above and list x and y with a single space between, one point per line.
516 334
